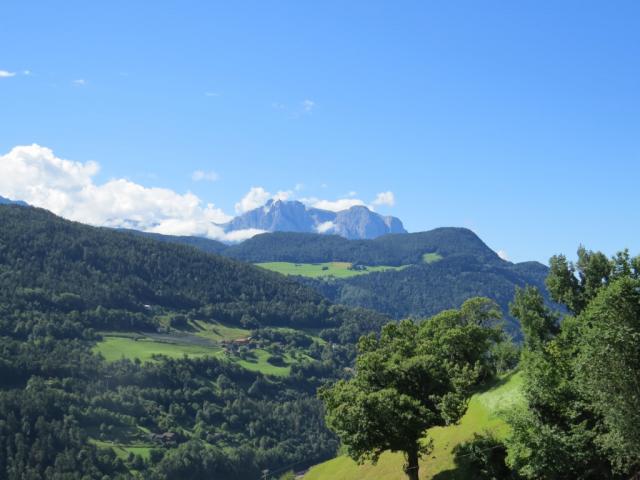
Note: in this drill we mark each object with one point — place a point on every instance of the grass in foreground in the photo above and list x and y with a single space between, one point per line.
315 270
483 415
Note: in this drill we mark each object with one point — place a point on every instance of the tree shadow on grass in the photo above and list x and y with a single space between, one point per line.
481 458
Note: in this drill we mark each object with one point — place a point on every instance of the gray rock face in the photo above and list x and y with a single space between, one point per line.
360 222
292 216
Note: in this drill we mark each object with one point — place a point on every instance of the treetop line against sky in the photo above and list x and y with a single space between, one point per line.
517 121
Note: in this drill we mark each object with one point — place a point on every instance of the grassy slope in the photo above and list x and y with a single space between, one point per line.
260 364
117 347
123 450
482 415
218 332
315 270
431 257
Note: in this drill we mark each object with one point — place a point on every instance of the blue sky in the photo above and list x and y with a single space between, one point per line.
519 120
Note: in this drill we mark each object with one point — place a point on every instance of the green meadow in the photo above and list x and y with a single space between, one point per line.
484 414
115 348
260 363
327 269
431 257
217 331
123 450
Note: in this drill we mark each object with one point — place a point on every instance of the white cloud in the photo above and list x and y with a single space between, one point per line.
296 110
211 94
241 235
309 201
338 205
7 74
503 255
385 198
283 195
255 197
26 72
325 227
189 227
67 188
299 187
80 82
201 175
308 105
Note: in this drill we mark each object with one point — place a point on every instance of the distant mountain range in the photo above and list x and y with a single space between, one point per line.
357 222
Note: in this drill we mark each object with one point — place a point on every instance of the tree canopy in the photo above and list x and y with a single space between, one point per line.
410 378
581 375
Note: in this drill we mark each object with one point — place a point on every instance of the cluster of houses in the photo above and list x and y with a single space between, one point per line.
232 346
167 439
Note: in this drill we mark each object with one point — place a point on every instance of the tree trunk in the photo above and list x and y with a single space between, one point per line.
411 467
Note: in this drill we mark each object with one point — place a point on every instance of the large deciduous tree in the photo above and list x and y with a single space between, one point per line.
410 378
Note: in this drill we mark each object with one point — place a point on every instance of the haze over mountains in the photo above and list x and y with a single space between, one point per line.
358 222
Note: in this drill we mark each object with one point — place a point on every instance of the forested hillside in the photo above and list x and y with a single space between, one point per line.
209 408
425 289
393 249
441 269
64 266
444 267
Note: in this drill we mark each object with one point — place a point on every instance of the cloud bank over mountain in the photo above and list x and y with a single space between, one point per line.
34 174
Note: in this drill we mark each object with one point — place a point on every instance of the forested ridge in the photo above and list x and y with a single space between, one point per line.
425 289
392 249
463 267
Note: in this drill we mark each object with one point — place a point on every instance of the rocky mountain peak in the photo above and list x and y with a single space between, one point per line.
357 222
